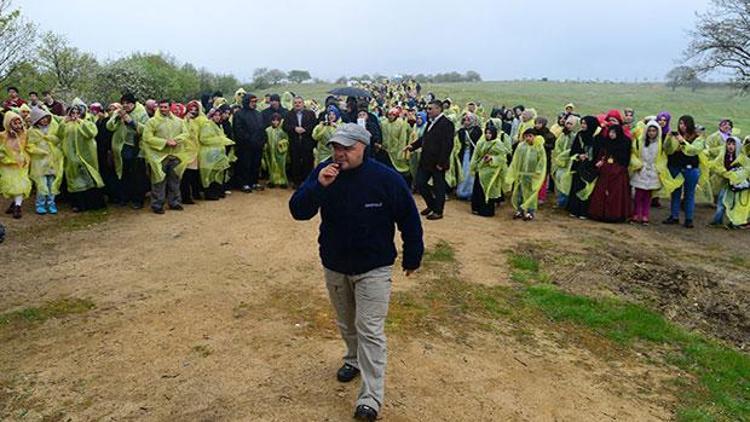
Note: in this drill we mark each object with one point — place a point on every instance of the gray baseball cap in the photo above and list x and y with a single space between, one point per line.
349 134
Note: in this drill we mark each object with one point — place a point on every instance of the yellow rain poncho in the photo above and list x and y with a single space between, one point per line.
560 161
126 134
157 131
491 171
703 193
287 100
46 157
454 175
395 139
737 203
528 124
14 160
526 173
212 156
275 152
239 95
79 148
321 134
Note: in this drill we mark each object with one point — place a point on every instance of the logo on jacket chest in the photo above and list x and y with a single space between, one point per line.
374 205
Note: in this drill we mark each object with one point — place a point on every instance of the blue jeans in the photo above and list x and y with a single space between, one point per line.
720 208
691 175
562 199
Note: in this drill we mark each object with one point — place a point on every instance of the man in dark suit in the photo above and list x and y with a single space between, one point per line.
299 124
436 144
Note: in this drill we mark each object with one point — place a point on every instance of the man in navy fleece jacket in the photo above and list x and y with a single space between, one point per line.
360 202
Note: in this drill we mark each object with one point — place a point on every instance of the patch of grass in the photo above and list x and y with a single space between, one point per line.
202 350
723 374
53 309
83 220
442 252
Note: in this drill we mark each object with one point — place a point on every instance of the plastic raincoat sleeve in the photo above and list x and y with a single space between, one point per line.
395 139
212 157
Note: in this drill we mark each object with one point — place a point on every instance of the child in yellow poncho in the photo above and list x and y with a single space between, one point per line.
46 160
733 166
526 174
14 163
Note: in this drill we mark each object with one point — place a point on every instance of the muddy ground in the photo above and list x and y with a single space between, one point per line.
220 313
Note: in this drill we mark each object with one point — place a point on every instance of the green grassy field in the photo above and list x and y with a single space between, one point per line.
708 105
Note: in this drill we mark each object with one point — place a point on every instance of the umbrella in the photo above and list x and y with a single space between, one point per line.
350 91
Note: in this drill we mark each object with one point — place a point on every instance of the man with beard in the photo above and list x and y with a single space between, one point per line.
274 107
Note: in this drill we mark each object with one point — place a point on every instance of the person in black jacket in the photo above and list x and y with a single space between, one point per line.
436 144
299 124
104 151
274 107
249 138
361 202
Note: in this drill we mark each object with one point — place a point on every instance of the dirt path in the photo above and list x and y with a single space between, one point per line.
183 329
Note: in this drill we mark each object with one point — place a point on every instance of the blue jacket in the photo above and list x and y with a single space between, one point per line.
358 213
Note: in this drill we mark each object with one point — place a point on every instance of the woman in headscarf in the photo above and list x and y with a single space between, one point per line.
685 151
323 132
733 166
213 159
714 146
467 136
540 126
488 165
610 200
417 131
190 185
581 174
15 183
81 165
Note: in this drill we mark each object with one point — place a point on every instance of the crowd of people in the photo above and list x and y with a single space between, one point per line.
609 167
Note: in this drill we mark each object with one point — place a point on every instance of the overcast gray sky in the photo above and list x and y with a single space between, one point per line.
511 39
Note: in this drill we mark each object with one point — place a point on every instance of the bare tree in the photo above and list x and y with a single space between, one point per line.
722 40
683 76
16 39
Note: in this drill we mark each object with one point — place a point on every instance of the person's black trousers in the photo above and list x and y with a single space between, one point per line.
433 195
478 203
256 158
133 185
190 186
302 161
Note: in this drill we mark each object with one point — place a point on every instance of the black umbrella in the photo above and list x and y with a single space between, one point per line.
350 91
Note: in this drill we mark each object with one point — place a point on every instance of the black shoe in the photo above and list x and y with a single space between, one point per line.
246 189
176 207
16 212
425 212
137 206
435 216
347 373
188 202
671 221
689 224
158 210
365 413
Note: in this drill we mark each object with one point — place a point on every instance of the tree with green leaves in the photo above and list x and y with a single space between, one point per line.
17 38
298 76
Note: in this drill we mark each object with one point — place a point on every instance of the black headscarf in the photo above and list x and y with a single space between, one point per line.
585 138
618 148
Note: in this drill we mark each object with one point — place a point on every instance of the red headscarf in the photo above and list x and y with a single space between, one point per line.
618 116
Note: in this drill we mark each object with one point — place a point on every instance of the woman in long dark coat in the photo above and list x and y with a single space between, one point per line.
610 202
582 156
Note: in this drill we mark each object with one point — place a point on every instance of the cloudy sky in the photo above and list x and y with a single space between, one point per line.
501 40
